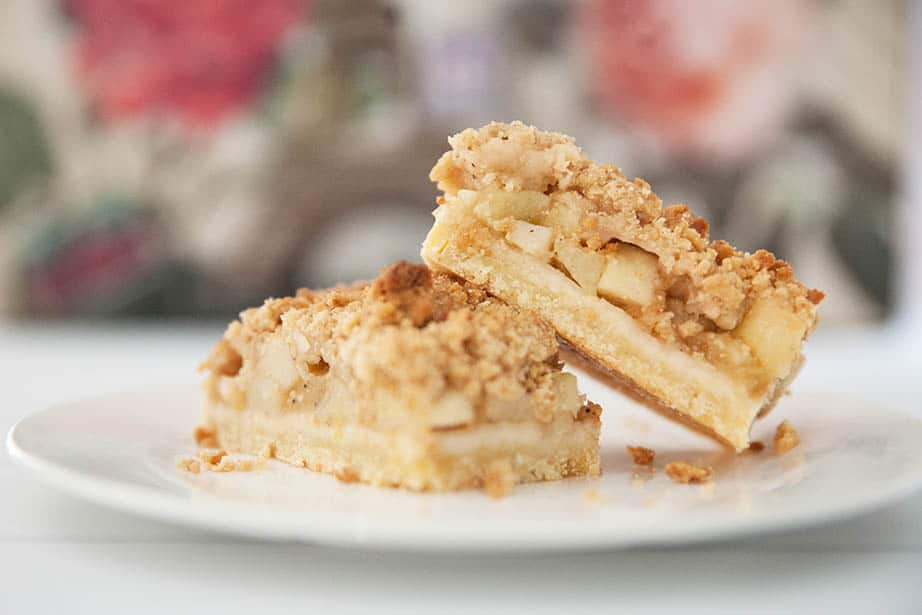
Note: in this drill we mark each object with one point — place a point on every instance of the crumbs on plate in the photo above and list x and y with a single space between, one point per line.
219 461
684 472
786 438
641 455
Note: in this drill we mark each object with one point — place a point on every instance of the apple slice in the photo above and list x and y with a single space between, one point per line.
630 276
453 410
525 205
774 333
531 238
584 266
568 395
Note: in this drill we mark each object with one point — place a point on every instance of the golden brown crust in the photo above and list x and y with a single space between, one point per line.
346 475
786 438
684 472
579 358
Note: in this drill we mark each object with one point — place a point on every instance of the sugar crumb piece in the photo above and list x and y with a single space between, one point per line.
642 456
786 438
591 496
684 472
212 457
498 478
814 296
755 447
205 437
190 465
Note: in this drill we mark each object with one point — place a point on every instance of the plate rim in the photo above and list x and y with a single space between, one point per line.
210 513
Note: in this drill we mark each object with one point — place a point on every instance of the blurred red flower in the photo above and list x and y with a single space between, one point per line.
198 60
707 78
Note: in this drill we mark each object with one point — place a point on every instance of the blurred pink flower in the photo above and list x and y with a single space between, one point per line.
198 60
707 78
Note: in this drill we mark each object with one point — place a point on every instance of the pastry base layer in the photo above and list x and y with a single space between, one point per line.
606 334
484 455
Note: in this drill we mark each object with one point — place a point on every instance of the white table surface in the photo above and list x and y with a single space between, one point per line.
61 555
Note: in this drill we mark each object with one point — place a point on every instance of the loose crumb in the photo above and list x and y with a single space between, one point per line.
219 461
205 438
642 456
755 447
786 438
684 472
190 465
226 464
212 457
498 478
591 496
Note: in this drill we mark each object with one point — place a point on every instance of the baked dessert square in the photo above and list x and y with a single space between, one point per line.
701 330
415 380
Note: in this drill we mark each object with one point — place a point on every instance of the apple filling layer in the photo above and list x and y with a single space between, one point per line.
707 331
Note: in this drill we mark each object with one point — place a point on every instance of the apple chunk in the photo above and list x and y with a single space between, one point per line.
531 238
569 398
584 266
773 333
453 410
630 276
525 205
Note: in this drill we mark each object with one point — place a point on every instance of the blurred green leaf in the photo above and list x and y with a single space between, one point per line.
24 152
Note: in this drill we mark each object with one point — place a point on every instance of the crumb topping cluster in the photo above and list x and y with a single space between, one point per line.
428 340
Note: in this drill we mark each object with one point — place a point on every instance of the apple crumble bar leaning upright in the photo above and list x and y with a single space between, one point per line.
709 333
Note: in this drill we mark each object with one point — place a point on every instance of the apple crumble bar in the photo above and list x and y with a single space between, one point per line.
415 380
706 332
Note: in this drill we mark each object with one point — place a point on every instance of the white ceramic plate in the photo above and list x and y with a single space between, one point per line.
122 450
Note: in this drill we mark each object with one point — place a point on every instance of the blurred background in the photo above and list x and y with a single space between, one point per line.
177 158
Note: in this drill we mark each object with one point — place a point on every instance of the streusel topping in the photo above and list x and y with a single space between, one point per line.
410 335
707 285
